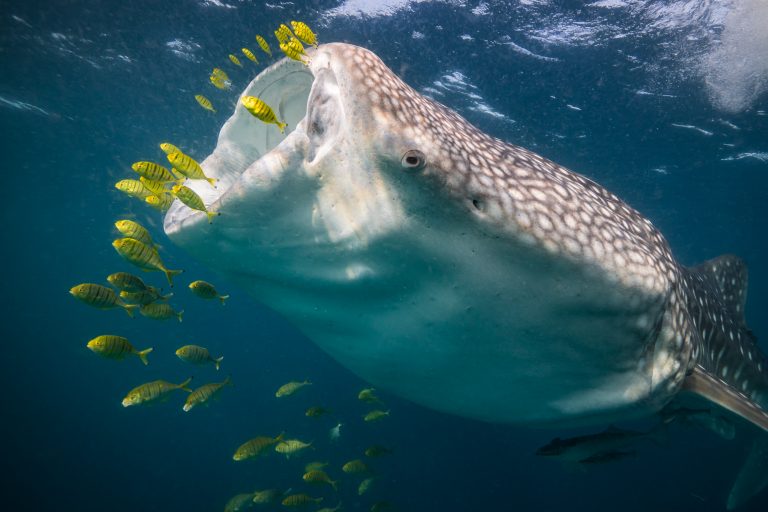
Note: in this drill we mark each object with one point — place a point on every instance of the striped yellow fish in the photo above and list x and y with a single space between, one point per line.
143 256
196 354
239 502
262 111
190 198
375 415
264 45
100 297
313 466
153 171
255 447
144 297
204 102
160 203
266 496
235 60
206 290
248 53
204 393
169 148
189 167
294 50
283 33
304 33
377 451
220 79
152 391
368 396
132 229
126 282
318 476
156 187
133 188
291 447
329 509
299 500
160 311
355 466
290 388
116 347
364 486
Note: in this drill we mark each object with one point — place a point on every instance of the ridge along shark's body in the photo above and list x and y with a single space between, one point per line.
457 270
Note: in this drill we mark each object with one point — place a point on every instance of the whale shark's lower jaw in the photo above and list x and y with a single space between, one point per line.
362 227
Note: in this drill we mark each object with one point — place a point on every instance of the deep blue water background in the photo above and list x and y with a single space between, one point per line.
70 445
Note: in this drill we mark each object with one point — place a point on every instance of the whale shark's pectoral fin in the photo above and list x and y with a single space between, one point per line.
726 396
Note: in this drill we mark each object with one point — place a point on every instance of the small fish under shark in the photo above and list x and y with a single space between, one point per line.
462 272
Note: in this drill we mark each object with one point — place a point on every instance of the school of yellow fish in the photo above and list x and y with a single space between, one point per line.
159 186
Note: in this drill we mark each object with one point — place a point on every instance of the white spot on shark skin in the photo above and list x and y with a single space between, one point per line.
21 105
757 155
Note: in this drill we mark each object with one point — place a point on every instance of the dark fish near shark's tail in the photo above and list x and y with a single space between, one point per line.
730 369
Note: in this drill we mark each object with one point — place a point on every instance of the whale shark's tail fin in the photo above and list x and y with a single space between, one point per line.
730 369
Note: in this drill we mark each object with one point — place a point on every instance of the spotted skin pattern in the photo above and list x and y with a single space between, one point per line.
544 205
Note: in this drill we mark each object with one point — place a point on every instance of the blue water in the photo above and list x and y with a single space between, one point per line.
615 92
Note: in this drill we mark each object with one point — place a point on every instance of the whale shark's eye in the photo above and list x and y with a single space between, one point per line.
414 159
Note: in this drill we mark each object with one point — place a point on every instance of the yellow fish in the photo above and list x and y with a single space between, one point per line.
329 509
314 466
364 486
169 148
381 506
355 466
304 33
283 33
220 79
189 167
126 282
206 291
235 60
197 355
316 412
318 476
368 396
375 415
100 297
144 297
132 229
266 496
299 500
291 388
157 311
239 502
143 256
153 171
133 188
204 393
116 347
294 50
248 53
156 187
377 451
188 196
204 102
262 111
255 447
264 45
160 203
152 391
291 446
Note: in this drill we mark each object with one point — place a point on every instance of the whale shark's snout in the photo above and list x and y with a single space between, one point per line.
462 272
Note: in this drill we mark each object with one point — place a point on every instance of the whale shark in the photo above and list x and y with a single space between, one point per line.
457 270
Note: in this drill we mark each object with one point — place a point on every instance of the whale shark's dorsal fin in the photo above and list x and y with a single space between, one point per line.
729 275
729 369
